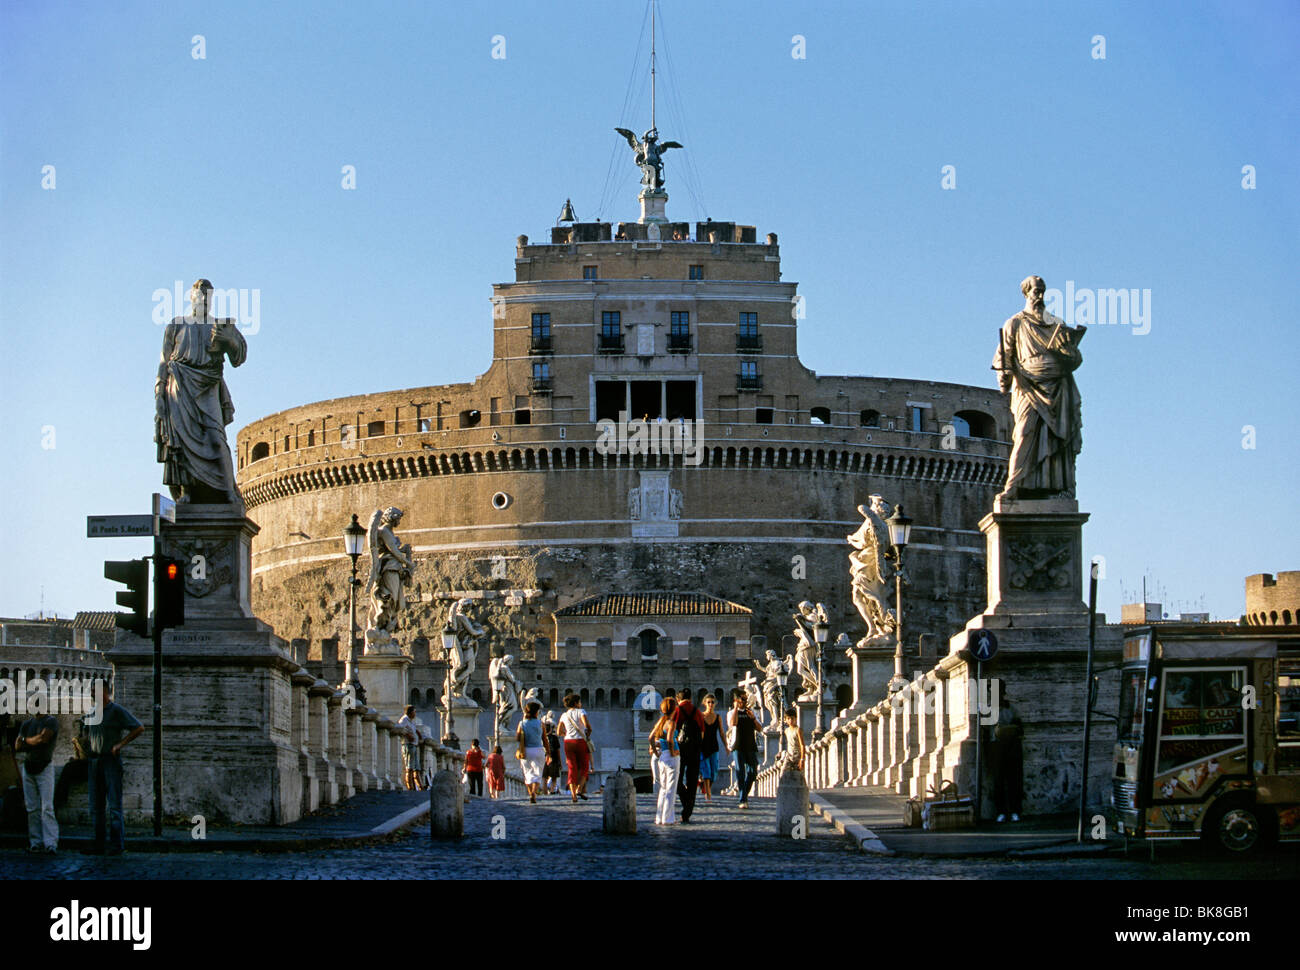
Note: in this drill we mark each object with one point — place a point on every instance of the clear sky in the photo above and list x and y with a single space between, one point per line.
1117 172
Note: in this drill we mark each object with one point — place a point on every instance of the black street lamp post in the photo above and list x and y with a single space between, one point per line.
821 631
354 542
900 530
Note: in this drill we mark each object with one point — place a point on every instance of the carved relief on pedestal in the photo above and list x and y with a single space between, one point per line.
207 566
1041 564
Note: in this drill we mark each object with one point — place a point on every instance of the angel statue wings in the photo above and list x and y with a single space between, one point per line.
649 156
867 574
390 573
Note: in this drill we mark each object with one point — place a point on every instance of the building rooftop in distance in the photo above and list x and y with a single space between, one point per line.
655 603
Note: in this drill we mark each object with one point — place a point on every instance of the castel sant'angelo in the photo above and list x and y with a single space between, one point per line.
645 476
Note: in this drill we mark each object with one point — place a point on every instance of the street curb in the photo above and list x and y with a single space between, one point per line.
866 840
399 822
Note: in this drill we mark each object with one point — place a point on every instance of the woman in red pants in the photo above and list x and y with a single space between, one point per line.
575 729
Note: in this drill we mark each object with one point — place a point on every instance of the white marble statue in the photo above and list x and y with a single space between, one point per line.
806 619
390 573
868 565
1036 359
464 647
505 690
773 668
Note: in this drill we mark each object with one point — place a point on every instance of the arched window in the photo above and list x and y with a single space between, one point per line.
261 450
614 698
649 643
978 424
585 695
819 416
869 418
600 697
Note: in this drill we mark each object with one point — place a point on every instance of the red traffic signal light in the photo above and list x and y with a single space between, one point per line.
169 593
134 573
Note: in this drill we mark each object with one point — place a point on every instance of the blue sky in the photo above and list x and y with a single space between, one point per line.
1117 172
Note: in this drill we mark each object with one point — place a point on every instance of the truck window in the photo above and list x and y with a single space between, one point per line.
1200 714
1130 705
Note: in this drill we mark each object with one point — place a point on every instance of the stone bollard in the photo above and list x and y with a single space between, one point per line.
446 806
792 803
619 805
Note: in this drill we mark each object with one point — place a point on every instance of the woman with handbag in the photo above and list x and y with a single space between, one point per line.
532 743
664 755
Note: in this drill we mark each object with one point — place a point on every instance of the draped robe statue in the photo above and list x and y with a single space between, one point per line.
193 404
1035 360
390 572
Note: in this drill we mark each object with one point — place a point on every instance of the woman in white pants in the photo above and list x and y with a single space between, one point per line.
668 763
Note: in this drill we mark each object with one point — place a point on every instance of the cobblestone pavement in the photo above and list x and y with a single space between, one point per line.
556 839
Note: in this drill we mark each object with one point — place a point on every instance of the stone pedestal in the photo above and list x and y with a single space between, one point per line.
228 744
652 206
873 666
808 715
386 678
463 720
1035 555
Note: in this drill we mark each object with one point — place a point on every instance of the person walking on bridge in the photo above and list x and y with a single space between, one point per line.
741 721
690 732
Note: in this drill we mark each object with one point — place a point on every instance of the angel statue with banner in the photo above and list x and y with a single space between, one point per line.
869 583
390 573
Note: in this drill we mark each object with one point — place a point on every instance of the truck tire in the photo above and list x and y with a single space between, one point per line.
1238 825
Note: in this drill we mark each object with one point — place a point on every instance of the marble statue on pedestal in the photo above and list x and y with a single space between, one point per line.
390 573
872 556
464 646
806 619
193 406
1036 359
505 690
773 669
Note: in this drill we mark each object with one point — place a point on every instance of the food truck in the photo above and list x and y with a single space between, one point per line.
1209 734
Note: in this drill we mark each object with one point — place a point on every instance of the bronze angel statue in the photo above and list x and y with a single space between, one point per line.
870 584
390 573
649 156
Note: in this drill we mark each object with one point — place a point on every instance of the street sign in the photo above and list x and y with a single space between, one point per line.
982 644
118 526
164 508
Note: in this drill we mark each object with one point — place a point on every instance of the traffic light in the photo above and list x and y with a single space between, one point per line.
134 573
169 592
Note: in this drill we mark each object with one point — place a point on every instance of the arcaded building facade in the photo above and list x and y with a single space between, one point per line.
512 497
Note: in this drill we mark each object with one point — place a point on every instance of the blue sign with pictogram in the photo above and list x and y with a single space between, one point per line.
982 644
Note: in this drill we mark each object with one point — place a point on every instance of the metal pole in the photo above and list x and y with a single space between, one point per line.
1087 696
157 698
979 747
821 689
652 65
